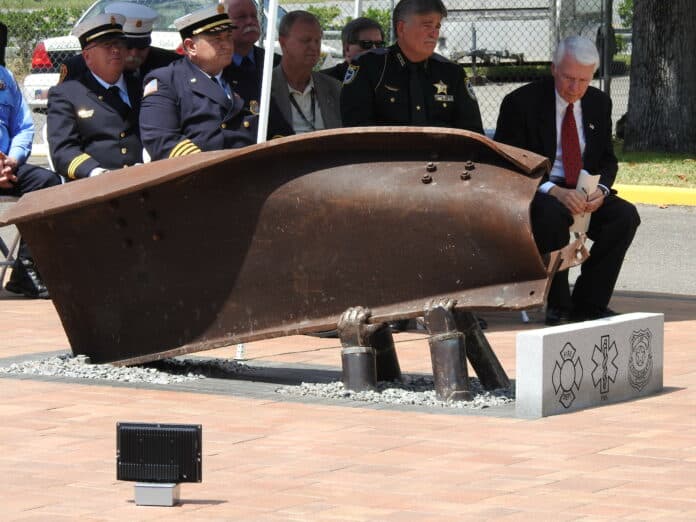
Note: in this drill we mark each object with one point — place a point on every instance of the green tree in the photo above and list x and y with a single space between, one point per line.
626 12
327 16
662 97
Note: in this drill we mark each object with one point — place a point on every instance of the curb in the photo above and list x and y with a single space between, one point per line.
654 195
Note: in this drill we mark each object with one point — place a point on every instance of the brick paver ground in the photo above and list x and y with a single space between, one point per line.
275 460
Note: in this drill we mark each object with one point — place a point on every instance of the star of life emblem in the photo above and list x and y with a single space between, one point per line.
605 369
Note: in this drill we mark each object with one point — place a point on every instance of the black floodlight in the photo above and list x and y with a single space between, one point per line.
167 453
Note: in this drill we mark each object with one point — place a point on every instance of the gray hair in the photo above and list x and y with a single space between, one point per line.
292 17
406 8
578 48
349 34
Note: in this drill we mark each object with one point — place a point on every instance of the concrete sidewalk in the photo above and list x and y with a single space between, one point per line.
278 460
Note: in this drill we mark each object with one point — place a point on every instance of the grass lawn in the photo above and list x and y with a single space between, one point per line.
655 168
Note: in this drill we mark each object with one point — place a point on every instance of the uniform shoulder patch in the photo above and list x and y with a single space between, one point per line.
470 89
150 87
63 72
351 73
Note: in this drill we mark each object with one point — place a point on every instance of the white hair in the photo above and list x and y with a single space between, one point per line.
578 48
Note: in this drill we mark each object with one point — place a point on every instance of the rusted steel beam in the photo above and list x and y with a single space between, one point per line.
280 238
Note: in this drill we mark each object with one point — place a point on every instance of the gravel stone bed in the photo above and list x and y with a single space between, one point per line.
168 371
414 390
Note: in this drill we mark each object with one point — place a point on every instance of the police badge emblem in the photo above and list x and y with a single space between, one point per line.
254 107
640 362
351 73
2 85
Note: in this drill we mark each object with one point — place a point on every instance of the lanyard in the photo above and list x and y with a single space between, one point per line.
299 111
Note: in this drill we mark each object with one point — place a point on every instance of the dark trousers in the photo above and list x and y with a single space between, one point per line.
29 179
612 228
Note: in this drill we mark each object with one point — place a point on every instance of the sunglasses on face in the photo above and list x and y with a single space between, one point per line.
369 44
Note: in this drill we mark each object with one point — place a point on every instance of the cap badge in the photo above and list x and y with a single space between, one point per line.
112 20
138 23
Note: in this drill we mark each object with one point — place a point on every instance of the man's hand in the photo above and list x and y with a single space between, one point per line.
576 202
8 167
595 200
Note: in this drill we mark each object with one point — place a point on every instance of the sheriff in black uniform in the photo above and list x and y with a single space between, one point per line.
188 107
406 84
93 120
140 57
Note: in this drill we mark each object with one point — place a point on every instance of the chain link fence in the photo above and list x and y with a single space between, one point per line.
502 44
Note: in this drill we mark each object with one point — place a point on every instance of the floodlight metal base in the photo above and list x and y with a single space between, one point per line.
156 494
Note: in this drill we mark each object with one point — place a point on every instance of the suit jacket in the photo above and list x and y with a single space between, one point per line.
86 130
328 93
184 111
527 119
247 82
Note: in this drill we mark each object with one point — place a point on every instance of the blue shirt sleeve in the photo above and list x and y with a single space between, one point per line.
17 125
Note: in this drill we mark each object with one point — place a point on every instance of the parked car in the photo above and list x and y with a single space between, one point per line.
51 52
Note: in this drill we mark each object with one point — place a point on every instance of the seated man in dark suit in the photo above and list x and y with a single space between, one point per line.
245 71
92 120
358 36
569 122
140 56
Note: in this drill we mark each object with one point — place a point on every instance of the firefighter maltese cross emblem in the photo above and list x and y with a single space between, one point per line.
605 369
640 362
567 375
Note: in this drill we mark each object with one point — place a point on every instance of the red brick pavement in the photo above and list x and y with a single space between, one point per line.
275 460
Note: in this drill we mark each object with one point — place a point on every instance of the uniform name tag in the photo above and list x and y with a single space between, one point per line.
85 113
444 97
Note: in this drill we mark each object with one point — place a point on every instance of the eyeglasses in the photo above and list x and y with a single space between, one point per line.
369 44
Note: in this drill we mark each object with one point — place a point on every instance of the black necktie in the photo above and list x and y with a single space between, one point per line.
416 96
113 98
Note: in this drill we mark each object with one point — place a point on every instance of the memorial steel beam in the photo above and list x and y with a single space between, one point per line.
280 238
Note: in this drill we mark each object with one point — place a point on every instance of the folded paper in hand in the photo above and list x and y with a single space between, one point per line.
587 184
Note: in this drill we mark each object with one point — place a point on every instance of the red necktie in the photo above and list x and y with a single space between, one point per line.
570 148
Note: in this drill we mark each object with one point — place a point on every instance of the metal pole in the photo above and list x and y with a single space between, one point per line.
271 19
608 45
357 9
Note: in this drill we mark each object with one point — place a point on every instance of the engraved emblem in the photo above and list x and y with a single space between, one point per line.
440 87
567 375
640 362
254 107
138 23
85 113
605 370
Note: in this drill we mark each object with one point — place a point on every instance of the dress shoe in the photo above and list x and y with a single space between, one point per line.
25 280
556 316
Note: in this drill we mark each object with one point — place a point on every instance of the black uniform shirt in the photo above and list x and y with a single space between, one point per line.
382 87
